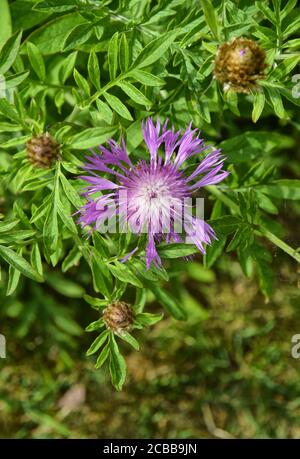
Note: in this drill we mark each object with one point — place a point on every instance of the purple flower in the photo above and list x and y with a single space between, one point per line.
150 197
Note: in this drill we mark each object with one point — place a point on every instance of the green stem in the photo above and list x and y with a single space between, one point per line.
281 244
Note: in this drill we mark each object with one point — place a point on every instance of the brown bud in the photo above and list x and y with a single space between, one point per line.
239 64
118 316
43 150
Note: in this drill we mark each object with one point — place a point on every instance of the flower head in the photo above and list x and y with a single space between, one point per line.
118 316
239 64
43 150
151 195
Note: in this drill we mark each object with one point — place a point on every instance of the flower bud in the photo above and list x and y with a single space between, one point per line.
43 150
239 64
118 316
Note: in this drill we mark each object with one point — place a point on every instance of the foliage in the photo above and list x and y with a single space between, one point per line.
90 70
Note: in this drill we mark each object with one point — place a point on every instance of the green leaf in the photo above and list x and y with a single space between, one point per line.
113 56
72 259
122 272
68 66
19 263
81 82
97 343
211 17
135 94
118 106
225 225
125 336
265 274
146 78
50 37
5 23
36 259
259 99
78 36
147 319
15 141
265 203
117 365
6 226
123 53
94 70
105 111
155 50
283 189
101 276
50 232
55 6
176 250
276 101
252 144
13 280
97 303
9 110
103 356
70 192
12 81
9 52
36 60
214 251
169 302
95 325
91 137
290 5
